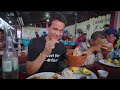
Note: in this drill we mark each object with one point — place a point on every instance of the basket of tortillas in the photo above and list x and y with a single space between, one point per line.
76 57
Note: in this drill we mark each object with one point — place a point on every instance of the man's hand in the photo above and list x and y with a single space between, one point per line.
49 46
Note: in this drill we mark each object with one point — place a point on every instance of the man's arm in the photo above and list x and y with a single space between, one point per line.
33 66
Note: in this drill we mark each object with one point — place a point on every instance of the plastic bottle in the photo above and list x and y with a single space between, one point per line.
10 61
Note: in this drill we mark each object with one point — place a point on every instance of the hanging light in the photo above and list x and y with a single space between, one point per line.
10 21
47 15
47 20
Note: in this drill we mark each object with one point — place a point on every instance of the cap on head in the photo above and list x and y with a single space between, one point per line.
111 31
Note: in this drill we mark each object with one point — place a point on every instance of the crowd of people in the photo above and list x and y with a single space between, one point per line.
47 53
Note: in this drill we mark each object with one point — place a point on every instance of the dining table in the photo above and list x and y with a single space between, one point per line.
114 72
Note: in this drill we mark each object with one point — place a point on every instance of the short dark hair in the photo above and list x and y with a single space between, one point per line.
111 31
80 30
1 31
98 34
57 16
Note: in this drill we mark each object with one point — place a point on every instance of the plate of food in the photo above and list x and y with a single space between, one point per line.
110 62
78 73
45 75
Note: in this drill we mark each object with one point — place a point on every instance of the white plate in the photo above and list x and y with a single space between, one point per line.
107 63
47 75
78 76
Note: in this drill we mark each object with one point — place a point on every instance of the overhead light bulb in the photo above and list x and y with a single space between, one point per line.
10 21
47 15
47 20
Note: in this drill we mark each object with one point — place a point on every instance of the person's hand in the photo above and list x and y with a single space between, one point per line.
93 49
49 46
97 47
107 47
100 47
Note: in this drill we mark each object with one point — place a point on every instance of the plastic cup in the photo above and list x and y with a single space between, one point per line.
102 74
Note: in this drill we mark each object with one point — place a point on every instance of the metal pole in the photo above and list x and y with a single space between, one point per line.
75 24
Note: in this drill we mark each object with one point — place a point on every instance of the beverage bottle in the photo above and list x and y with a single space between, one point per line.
10 60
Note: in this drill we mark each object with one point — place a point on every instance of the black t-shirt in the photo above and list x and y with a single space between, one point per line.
51 63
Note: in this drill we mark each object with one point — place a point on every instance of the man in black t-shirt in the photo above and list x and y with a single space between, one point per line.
46 53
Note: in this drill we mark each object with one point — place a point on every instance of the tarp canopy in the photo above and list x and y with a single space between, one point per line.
9 30
4 25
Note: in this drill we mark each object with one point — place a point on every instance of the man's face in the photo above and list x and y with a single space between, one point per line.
55 31
111 38
99 41
80 34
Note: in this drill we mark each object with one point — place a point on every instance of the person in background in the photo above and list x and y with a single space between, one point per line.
46 53
71 38
106 26
77 34
37 35
80 38
94 48
98 43
85 37
112 35
44 33
2 40
65 36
